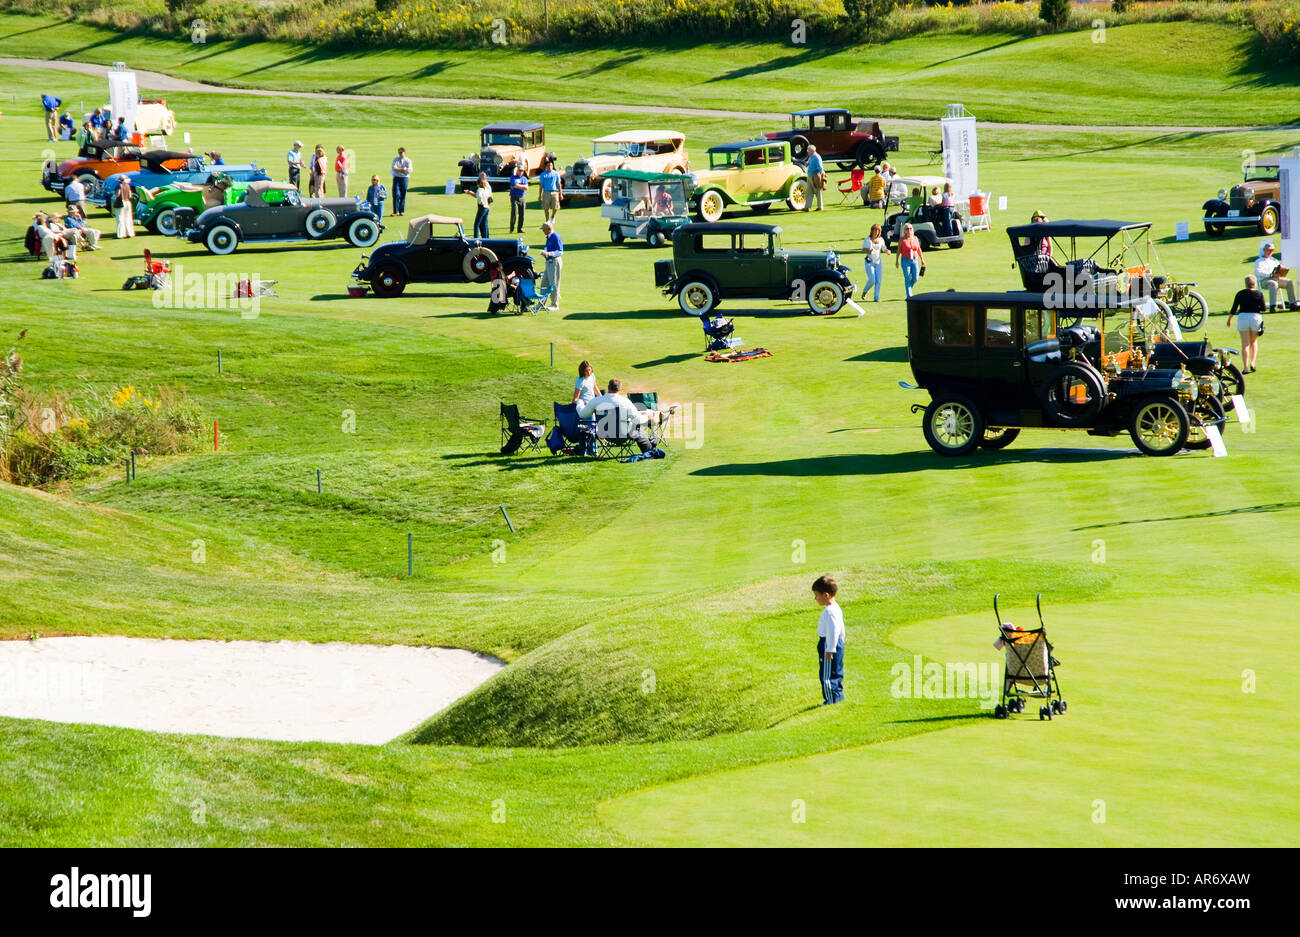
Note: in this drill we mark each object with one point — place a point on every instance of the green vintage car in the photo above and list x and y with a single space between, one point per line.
737 260
757 173
156 208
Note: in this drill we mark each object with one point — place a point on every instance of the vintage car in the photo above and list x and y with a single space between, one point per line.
646 150
502 146
649 205
154 116
436 250
754 173
276 211
934 226
1104 257
156 174
107 159
995 363
156 208
712 262
838 137
1255 201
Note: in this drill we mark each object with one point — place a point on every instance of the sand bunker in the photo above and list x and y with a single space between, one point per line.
288 690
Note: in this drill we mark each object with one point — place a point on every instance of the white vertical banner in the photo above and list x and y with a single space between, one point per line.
1288 174
960 152
123 97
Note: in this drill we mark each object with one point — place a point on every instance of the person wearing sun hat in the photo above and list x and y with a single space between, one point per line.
294 159
1045 244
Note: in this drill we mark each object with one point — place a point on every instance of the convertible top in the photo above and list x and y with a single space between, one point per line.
816 111
154 159
513 126
255 190
639 175
1075 229
418 230
641 136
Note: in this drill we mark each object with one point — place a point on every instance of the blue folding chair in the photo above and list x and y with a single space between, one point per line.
573 430
530 296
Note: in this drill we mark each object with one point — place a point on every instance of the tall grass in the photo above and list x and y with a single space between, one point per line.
368 23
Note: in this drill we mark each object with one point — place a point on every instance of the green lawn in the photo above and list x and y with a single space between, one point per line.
1195 74
656 615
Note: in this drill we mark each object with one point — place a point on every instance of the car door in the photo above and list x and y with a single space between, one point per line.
1001 359
441 257
284 218
749 182
751 264
950 348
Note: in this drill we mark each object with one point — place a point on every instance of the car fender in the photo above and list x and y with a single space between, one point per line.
207 226
727 197
377 260
1214 205
341 222
689 275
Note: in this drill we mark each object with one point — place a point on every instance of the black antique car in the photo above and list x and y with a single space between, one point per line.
713 261
276 211
1256 201
436 250
995 363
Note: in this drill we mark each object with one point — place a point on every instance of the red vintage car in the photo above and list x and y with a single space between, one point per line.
109 159
838 137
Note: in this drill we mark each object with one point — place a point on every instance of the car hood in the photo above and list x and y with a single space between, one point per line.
1255 188
601 163
704 176
805 257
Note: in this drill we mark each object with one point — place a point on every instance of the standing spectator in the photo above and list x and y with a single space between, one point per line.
120 202
1248 306
76 223
97 121
551 186
816 177
375 195
51 105
294 159
518 196
120 132
316 179
584 386
74 194
84 138
401 179
483 200
873 245
830 640
877 189
909 257
949 203
1270 272
342 167
553 254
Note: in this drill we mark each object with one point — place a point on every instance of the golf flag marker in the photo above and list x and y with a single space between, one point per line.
1216 441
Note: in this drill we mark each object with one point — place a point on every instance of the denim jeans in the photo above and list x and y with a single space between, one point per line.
875 270
481 223
831 673
911 270
399 193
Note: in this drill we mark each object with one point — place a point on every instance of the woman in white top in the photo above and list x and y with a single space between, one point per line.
873 245
483 195
584 388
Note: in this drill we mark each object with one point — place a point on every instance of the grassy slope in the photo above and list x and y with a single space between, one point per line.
1140 75
637 565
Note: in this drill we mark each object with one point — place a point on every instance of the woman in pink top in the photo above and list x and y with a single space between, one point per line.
909 259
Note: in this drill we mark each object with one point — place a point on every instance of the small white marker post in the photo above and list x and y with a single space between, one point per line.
1216 441
1181 232
451 186
187 138
1239 408
1002 203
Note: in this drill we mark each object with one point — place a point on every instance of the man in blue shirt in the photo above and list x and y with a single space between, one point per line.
816 177
549 180
553 253
518 193
51 105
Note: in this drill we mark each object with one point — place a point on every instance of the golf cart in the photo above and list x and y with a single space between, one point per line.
1115 258
934 226
646 205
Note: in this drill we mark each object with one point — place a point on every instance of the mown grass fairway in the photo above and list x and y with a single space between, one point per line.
656 616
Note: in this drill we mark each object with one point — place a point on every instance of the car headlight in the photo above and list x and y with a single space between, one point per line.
523 248
832 259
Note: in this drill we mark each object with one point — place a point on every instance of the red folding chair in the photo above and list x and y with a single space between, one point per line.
852 185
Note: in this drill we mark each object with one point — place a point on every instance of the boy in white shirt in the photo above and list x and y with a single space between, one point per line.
830 640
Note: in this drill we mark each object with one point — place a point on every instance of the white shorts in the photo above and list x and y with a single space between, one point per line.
1249 321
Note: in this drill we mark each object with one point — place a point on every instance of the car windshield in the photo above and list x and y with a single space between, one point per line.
1117 334
502 138
616 149
724 159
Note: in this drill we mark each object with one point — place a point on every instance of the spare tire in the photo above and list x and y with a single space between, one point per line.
1073 394
319 222
476 262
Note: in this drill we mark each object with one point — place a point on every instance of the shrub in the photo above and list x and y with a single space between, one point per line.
1054 13
1121 6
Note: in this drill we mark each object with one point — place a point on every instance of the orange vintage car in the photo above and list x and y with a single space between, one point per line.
109 159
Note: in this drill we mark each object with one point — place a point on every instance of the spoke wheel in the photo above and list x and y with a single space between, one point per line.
1190 310
697 298
999 437
1208 410
711 205
1268 221
826 298
1159 427
798 198
953 425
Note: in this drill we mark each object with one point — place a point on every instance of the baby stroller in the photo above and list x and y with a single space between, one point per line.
157 275
718 333
1030 668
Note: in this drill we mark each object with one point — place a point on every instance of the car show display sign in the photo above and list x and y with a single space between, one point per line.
122 94
1288 175
960 151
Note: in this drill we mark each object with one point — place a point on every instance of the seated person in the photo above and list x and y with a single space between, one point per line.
663 200
504 287
914 203
630 420
876 189
76 225
1270 274
33 241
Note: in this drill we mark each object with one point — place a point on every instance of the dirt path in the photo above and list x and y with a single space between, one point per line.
156 81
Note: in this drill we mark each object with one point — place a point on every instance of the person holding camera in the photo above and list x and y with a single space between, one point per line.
483 196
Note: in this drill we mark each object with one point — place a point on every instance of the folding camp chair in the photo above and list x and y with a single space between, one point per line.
718 333
519 430
157 274
852 185
578 433
614 434
530 297
1030 668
